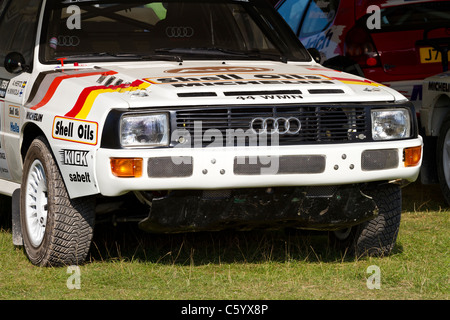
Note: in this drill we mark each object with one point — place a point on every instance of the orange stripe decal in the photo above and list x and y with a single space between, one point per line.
357 81
88 96
57 81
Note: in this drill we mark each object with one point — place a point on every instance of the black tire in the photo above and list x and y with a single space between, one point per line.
63 233
443 158
376 237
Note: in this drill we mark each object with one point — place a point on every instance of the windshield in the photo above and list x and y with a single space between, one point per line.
416 16
171 30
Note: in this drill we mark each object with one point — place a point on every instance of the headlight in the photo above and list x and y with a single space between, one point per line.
148 130
391 124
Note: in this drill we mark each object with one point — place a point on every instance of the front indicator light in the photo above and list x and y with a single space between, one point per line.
412 156
127 167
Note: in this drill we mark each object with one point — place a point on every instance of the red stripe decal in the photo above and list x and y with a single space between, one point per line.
87 91
55 84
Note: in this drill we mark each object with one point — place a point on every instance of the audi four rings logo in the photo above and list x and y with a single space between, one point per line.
276 125
179 32
68 41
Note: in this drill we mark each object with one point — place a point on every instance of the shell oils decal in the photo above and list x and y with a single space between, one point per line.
73 130
241 79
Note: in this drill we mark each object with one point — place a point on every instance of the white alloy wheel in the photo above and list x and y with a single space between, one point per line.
443 158
56 230
36 203
446 158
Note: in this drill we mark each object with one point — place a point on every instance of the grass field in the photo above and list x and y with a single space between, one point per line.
126 264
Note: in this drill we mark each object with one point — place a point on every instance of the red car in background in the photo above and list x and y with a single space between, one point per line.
395 42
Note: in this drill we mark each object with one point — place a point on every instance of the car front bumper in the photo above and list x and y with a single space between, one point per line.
258 167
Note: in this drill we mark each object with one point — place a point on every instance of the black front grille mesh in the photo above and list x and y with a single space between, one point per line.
319 124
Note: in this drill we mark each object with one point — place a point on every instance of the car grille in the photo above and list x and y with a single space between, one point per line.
319 124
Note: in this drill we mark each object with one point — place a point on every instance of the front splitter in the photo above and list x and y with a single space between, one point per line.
313 208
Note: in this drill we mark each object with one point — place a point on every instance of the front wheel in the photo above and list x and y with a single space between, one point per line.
443 159
376 237
56 230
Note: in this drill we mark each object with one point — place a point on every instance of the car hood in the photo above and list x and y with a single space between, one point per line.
89 92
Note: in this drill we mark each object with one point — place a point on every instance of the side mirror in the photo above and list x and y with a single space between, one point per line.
344 64
15 63
315 54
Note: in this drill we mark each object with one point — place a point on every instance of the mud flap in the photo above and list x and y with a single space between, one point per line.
16 228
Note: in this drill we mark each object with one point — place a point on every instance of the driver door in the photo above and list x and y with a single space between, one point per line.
18 30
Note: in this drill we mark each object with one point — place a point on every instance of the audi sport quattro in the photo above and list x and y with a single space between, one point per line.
193 115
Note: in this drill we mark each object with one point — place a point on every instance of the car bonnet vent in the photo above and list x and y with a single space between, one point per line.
255 93
196 94
326 91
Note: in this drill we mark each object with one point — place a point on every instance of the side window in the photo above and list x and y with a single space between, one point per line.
292 11
320 15
18 27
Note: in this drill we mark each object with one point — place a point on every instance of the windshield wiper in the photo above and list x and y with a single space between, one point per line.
162 57
252 54
96 54
269 56
208 51
126 56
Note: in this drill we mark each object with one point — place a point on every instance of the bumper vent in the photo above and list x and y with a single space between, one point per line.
279 165
167 167
372 160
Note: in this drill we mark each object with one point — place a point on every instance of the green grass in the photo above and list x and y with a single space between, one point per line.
127 264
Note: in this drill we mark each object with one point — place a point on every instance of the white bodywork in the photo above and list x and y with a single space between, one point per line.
70 104
436 102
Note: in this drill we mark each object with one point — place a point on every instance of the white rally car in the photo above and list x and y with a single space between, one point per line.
436 124
209 113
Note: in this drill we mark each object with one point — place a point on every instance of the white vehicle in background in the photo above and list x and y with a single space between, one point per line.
398 43
208 114
435 120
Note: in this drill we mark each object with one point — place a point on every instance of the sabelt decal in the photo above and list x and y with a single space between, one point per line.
80 177
88 96
73 130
